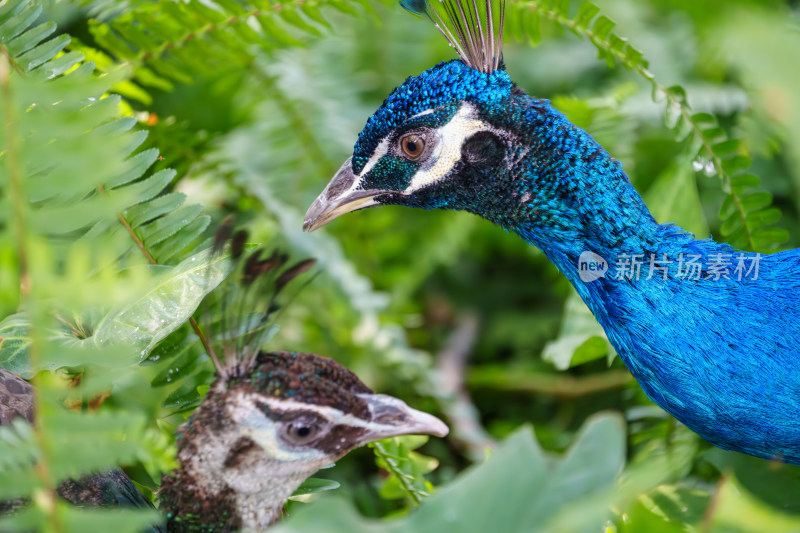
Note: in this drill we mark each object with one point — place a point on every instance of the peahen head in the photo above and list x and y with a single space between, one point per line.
270 420
440 140
257 437
267 423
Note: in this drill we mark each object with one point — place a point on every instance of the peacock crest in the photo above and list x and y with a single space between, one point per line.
473 27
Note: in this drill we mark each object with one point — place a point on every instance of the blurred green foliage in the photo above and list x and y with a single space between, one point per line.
248 107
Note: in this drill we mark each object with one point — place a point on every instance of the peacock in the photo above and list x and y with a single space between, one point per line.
711 333
268 422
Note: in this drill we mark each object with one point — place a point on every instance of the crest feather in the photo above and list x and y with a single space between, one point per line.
473 27
246 301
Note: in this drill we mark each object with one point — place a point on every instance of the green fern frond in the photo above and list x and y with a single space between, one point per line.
747 218
70 176
176 40
60 196
17 450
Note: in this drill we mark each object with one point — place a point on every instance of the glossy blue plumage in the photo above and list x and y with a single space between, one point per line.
445 84
721 355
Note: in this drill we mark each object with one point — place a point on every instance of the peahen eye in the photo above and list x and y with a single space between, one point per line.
413 145
303 430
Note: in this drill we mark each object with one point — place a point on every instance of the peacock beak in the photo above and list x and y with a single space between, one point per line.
392 417
338 198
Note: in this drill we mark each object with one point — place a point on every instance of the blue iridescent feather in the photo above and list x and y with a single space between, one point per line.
415 6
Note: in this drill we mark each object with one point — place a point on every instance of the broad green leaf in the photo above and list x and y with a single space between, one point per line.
14 343
136 326
738 511
775 483
314 485
581 338
676 505
167 305
642 519
519 489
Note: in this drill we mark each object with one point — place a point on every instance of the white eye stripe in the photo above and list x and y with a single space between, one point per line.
383 148
448 149
331 414
426 112
260 428
447 152
380 151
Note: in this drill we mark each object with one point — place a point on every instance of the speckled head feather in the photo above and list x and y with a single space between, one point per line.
439 88
256 437
309 378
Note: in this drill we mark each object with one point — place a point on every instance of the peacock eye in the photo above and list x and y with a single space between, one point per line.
412 145
303 430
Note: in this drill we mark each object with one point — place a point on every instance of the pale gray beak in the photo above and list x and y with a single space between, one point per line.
391 417
338 198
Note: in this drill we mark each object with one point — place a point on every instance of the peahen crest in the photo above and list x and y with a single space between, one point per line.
248 301
473 27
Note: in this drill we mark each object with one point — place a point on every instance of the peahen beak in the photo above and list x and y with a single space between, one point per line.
391 417
338 198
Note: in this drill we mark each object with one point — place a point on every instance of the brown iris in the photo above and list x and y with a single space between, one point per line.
412 144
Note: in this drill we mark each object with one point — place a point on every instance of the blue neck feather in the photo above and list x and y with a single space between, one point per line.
721 355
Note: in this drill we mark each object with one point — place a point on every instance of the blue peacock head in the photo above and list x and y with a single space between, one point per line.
439 138
462 136
429 144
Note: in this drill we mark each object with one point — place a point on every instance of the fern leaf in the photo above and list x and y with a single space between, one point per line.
179 39
69 171
17 446
30 38
152 186
187 238
168 225
68 165
152 209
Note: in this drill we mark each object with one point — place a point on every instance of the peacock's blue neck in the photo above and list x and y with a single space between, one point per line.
569 196
687 338
573 201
